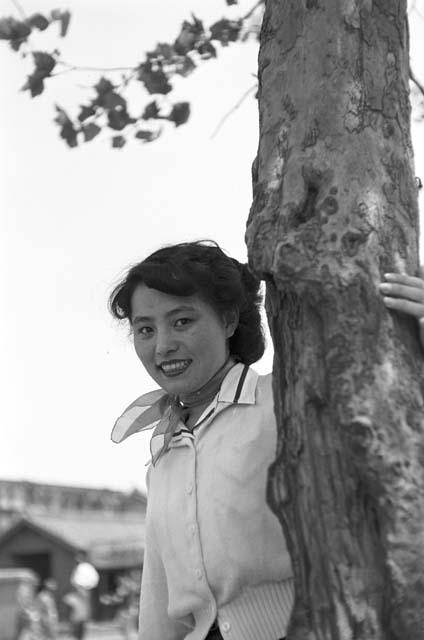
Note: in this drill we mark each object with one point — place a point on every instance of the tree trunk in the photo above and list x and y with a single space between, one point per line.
334 209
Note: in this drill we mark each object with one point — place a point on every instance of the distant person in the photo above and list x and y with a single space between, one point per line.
84 575
47 608
27 624
78 602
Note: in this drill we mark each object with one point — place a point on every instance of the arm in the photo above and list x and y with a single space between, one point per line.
405 293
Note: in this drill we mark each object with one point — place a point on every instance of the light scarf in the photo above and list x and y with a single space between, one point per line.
165 411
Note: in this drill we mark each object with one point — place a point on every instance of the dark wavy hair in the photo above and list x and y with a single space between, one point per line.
201 268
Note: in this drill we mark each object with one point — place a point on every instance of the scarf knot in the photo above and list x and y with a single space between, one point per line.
165 411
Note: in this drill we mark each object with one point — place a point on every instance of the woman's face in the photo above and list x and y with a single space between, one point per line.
181 341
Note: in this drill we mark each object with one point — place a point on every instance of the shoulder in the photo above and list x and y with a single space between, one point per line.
264 396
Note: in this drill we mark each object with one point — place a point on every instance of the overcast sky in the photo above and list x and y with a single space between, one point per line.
72 221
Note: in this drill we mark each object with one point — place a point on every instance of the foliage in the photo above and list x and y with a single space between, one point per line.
108 108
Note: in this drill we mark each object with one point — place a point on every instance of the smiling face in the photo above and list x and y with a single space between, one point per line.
181 341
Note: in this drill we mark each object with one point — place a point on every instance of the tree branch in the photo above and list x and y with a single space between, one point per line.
19 9
252 10
231 111
71 67
417 83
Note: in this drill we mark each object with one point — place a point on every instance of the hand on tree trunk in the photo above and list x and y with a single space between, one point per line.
405 293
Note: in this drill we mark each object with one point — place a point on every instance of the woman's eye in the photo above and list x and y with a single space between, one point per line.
144 331
181 322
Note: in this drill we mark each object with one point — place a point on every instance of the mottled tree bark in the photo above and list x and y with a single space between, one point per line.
334 209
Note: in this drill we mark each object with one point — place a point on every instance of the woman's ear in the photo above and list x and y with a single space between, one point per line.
231 321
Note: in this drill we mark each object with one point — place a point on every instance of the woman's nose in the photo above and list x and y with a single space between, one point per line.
165 344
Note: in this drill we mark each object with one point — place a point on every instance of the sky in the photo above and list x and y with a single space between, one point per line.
72 222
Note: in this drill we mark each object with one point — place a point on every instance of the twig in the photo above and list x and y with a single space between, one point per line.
231 111
19 8
415 80
72 67
253 9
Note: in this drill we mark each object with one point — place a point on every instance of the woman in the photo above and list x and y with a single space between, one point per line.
216 564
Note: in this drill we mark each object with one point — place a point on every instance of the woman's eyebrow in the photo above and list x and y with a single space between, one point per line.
182 309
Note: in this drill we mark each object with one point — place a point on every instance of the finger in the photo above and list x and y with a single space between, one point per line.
406 306
402 291
403 278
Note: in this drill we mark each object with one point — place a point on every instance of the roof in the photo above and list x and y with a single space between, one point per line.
109 541
85 532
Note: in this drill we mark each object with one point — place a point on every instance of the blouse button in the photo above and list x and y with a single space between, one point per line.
198 573
226 626
190 488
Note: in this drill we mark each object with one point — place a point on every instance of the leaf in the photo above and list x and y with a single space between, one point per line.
34 83
44 62
185 66
38 20
155 81
67 129
163 50
112 100
118 119
12 29
64 17
86 112
180 113
225 31
61 117
118 142
151 111
189 36
64 23
206 50
90 131
103 86
147 136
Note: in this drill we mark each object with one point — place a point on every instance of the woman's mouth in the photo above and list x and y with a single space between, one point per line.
174 367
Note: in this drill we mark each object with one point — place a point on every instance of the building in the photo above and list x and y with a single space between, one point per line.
45 527
21 497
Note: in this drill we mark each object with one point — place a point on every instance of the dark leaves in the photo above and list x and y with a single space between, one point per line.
90 131
206 50
185 66
180 113
163 52
119 118
15 31
44 62
34 84
151 111
118 142
37 20
225 31
147 136
86 112
191 33
154 79
103 87
12 29
67 130
64 18
44 65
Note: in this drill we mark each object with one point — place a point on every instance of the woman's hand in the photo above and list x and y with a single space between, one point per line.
405 293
